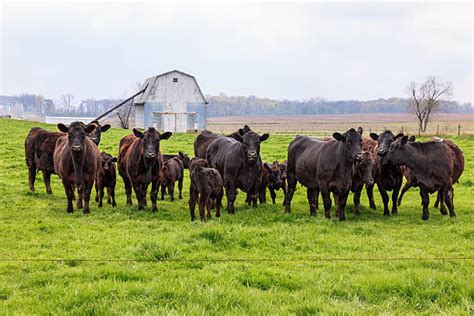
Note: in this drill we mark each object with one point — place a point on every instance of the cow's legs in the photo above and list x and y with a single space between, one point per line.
291 191
163 191
325 194
101 195
154 195
139 194
32 177
80 195
208 208
111 193
96 192
394 199
47 181
87 196
69 189
180 187
425 201
219 203
440 198
449 199
203 201
128 190
384 195
405 188
262 195
171 190
283 187
231 196
370 195
311 201
341 205
273 194
357 193
193 198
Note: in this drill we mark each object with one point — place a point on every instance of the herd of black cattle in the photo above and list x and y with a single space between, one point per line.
346 162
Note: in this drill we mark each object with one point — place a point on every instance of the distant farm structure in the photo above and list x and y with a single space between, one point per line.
172 101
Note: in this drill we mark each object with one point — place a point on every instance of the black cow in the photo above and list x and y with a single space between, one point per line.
431 163
106 177
140 163
387 176
206 188
239 163
324 166
75 161
273 178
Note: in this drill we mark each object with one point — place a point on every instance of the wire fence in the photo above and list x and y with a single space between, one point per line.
241 260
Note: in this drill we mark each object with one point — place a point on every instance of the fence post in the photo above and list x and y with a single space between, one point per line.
419 131
459 130
402 129
437 130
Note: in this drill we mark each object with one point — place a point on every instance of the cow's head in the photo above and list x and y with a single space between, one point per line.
76 133
384 140
365 167
396 154
96 132
274 174
251 144
107 162
185 159
352 143
151 142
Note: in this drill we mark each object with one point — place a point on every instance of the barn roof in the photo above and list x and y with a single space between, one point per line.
152 82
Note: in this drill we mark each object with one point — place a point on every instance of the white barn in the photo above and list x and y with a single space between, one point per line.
172 102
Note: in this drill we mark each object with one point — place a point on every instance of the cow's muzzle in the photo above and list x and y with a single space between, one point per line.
150 155
359 157
76 148
252 155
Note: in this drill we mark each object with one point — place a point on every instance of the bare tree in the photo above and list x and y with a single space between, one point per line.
124 111
426 98
67 101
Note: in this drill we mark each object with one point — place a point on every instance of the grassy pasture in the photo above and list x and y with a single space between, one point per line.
36 226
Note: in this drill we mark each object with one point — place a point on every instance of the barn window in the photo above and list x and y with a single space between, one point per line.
175 79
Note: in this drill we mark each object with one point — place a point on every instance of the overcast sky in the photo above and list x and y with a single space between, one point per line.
293 51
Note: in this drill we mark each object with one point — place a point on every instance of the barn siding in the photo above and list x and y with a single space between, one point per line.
175 99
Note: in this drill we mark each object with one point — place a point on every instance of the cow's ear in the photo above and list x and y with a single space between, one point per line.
360 130
237 137
105 128
63 128
264 137
266 166
374 136
399 135
137 133
89 128
412 138
404 140
180 153
165 135
339 137
114 159
241 131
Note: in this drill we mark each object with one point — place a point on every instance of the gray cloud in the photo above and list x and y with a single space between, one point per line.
293 51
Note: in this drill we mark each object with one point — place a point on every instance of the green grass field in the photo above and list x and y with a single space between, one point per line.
36 226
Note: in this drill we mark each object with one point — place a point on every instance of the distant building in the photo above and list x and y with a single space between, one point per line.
172 102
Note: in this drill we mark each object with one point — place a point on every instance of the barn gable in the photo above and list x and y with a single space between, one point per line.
172 101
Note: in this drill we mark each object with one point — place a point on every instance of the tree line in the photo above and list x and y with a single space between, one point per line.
224 105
